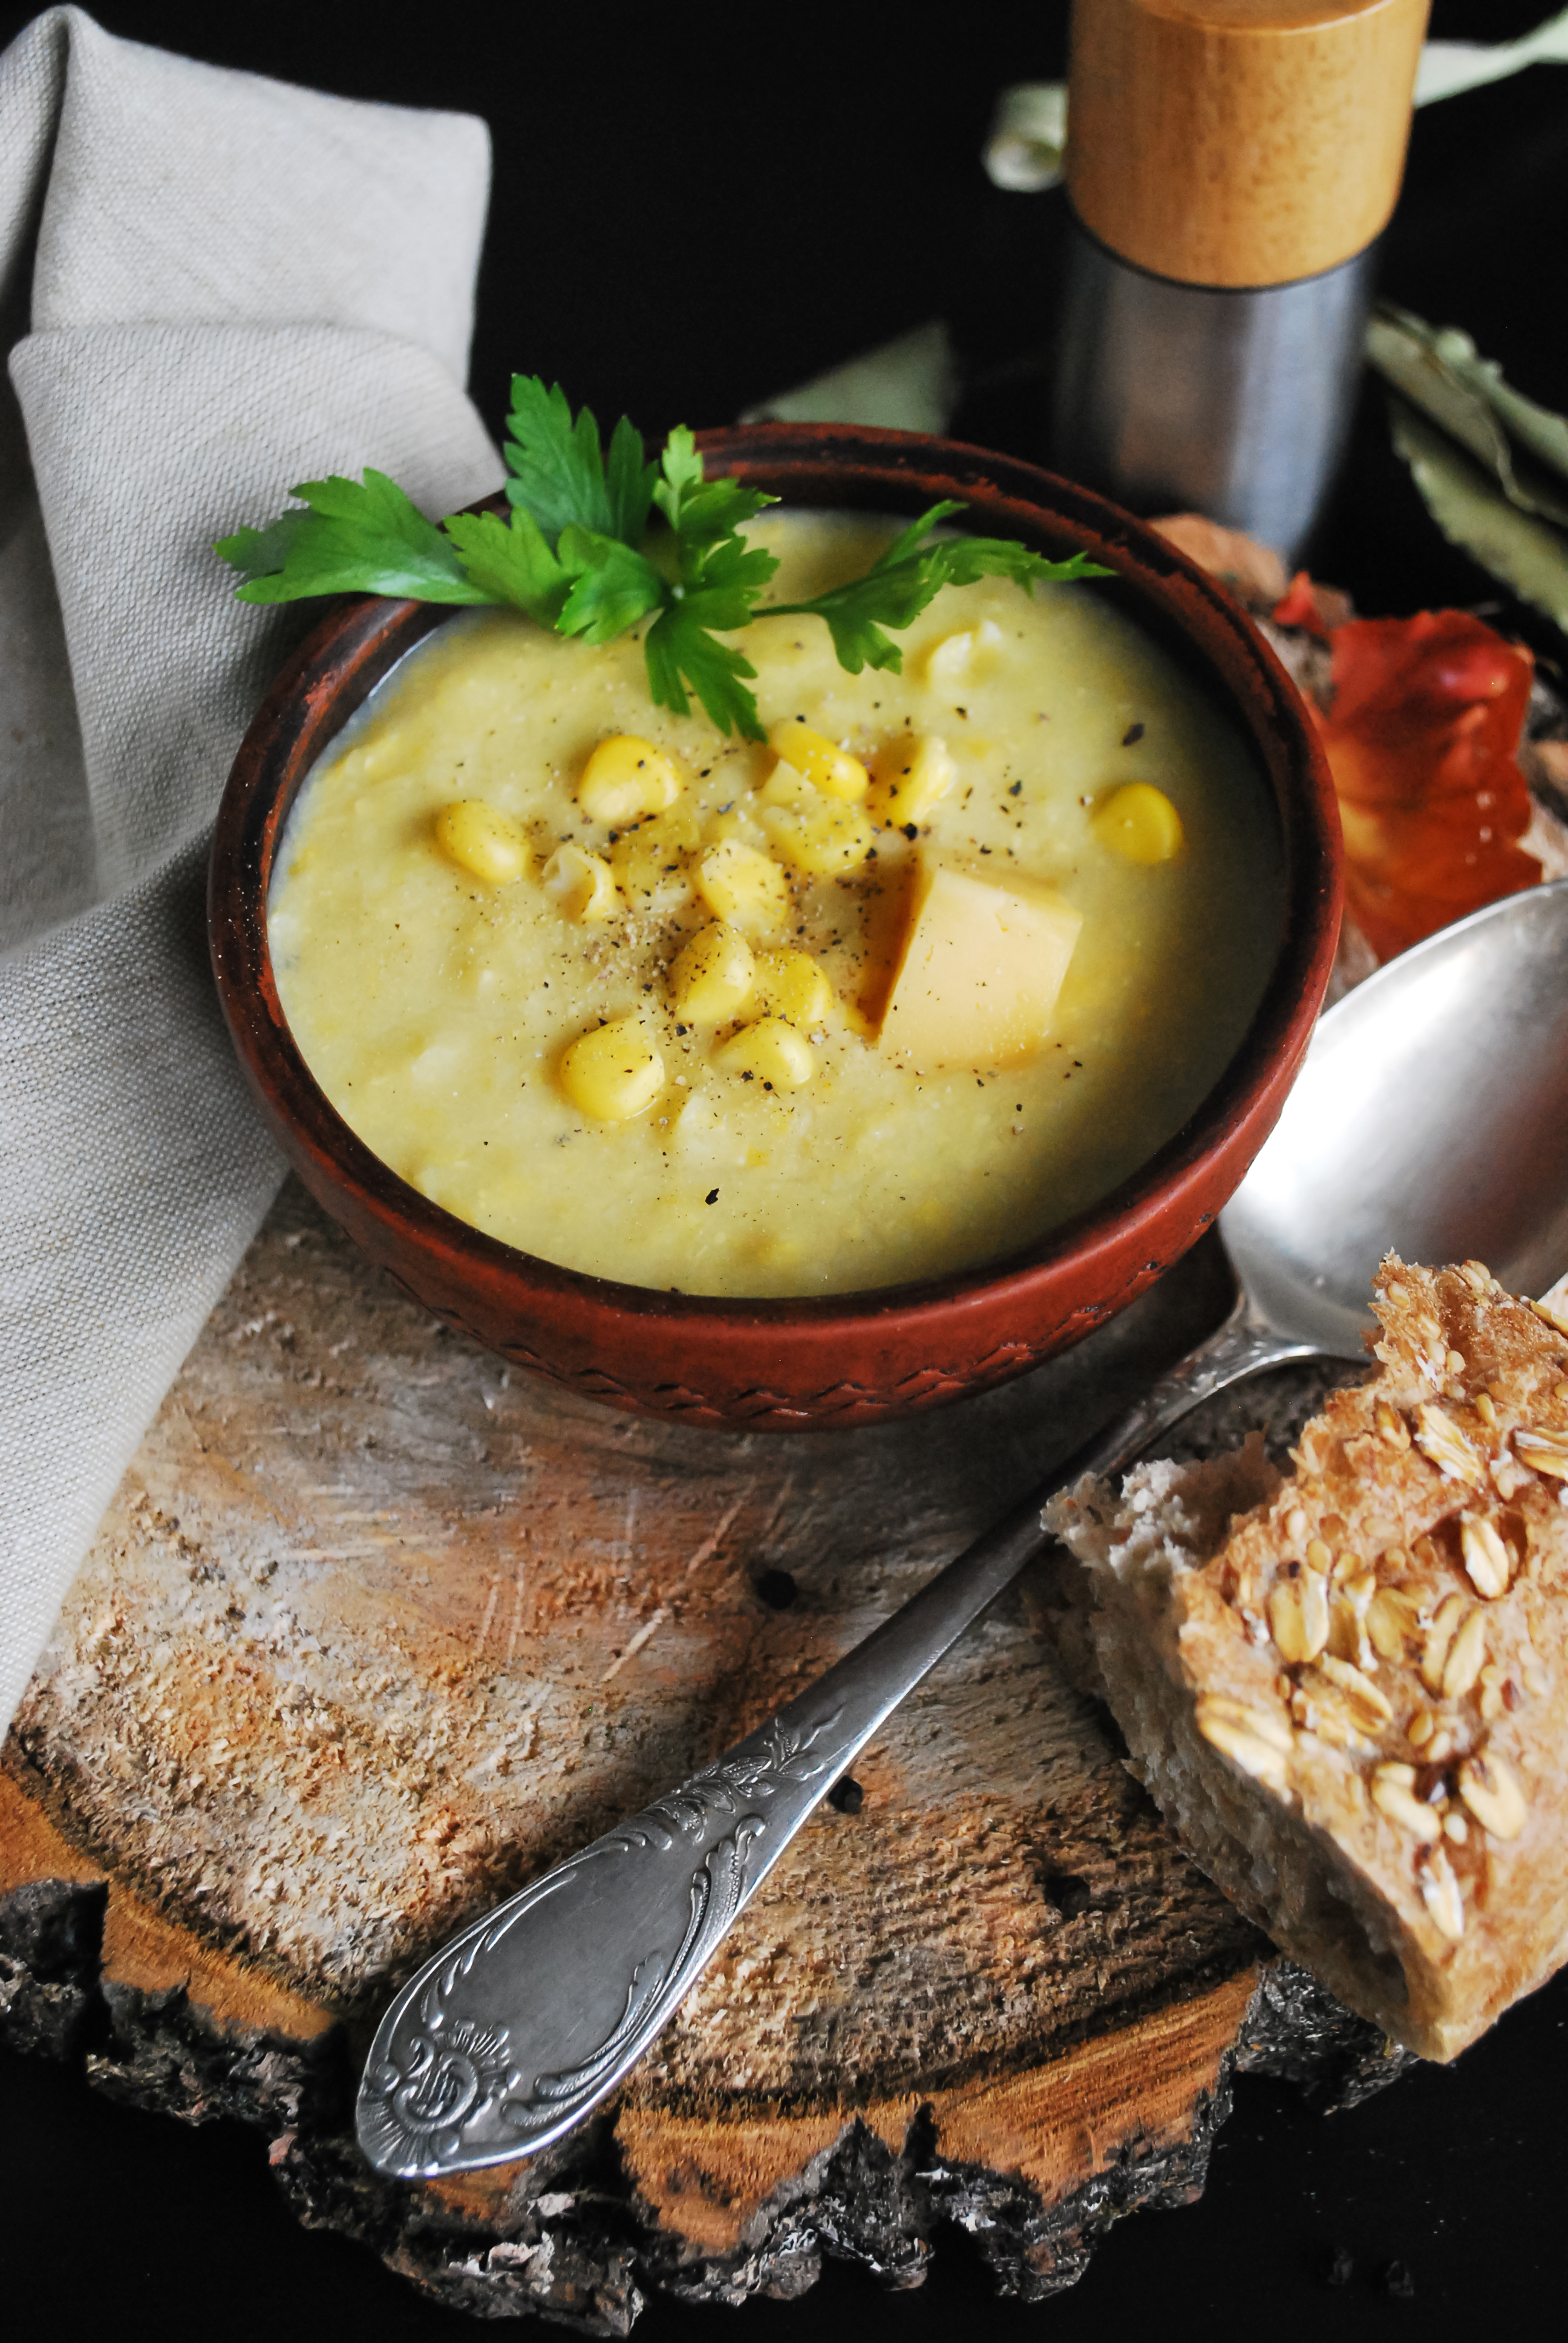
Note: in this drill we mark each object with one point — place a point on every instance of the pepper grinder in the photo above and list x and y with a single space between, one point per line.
1230 166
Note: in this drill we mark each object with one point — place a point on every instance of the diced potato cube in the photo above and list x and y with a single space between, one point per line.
479 839
711 977
582 883
773 1052
828 768
982 964
823 838
727 822
908 790
612 1072
742 886
1139 821
786 787
649 859
790 985
626 778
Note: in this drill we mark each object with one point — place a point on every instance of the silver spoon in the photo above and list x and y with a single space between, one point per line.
1430 1116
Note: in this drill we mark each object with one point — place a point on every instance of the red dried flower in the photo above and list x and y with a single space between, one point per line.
1423 738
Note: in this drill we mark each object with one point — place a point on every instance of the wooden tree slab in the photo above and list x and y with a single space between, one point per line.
374 1631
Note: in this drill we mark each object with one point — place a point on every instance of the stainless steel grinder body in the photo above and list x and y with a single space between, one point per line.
1229 400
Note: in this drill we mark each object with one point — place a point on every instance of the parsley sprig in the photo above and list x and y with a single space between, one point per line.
580 552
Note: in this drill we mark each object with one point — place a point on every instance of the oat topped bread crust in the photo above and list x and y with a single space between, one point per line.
1356 1709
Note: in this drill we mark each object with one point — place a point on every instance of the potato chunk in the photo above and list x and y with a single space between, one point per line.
790 985
982 963
649 859
823 840
743 888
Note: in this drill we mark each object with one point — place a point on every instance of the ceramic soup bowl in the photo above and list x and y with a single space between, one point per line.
858 1357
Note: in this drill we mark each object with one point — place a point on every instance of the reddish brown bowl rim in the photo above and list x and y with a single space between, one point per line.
1114 1249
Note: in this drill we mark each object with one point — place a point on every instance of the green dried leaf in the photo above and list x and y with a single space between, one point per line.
1441 373
1536 428
1527 553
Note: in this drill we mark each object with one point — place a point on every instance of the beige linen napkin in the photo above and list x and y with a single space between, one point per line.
235 285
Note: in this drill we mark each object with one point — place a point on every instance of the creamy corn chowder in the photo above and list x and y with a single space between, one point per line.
895 993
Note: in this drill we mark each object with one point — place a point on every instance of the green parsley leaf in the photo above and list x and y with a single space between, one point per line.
717 579
683 469
572 555
261 552
909 576
353 538
893 592
726 579
915 536
559 472
612 586
702 513
678 644
965 559
628 484
511 564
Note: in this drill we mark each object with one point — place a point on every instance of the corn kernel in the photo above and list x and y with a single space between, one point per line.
582 883
790 985
822 840
626 778
771 1053
953 658
910 792
828 768
612 1072
489 845
649 859
1139 821
710 977
742 886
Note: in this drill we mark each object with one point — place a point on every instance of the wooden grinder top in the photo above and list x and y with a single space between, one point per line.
1240 142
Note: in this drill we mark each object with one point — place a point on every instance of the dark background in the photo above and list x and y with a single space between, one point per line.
692 209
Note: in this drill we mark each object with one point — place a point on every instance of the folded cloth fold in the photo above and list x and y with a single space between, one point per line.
233 285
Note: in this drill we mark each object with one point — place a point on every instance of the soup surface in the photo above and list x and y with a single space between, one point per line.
438 1008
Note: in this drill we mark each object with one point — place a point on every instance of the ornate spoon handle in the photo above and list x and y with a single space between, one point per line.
535 2012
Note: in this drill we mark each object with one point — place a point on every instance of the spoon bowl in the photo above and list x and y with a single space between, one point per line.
1429 1119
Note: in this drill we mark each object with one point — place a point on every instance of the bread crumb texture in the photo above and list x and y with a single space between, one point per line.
1349 1689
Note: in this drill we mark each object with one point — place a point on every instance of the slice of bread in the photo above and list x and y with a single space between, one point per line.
1348 1690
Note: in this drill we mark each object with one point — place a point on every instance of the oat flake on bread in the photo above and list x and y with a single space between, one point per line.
1348 1690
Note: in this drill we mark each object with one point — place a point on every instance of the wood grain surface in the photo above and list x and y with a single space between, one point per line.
1240 142
375 1630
